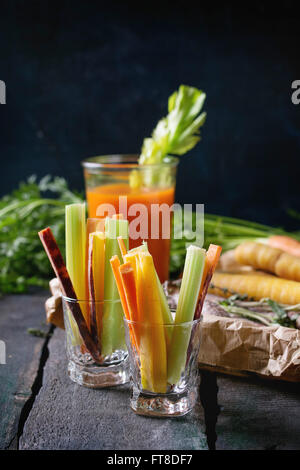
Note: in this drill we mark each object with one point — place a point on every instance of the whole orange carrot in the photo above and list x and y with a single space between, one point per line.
285 243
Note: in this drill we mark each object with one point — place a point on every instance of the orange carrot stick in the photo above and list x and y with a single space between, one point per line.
115 264
59 267
212 259
122 246
127 275
128 280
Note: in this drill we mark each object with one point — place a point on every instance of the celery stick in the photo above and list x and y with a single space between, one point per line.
113 335
174 134
76 258
188 296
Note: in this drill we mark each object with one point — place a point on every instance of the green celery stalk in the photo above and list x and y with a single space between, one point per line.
175 134
188 296
113 334
76 259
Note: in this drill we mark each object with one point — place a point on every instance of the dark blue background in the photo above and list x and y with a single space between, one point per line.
87 78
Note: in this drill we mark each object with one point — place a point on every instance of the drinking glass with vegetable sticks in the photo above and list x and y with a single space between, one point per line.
163 344
93 314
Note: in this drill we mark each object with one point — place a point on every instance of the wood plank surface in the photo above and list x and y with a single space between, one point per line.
253 413
23 351
258 414
68 416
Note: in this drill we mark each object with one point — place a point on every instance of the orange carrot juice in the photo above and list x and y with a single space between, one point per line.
110 193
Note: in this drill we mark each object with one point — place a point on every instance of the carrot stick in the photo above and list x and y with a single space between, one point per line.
115 264
127 275
122 246
118 217
59 267
128 279
91 286
212 259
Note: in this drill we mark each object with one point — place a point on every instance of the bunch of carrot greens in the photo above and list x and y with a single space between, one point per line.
97 317
160 340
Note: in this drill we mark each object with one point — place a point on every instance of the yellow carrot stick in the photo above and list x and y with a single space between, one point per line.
256 287
97 244
91 288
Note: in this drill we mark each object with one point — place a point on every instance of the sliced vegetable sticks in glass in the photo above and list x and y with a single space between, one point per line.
188 297
113 336
163 355
76 257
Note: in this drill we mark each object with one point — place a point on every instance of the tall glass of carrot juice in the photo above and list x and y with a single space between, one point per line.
144 194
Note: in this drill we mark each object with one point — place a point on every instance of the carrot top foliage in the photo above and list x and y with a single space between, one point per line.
23 261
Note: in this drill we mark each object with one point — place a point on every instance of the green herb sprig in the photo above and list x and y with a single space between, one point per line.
265 311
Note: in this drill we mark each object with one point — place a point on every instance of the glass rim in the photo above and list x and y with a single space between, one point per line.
90 301
123 162
187 323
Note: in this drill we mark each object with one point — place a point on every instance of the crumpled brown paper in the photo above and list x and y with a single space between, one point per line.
239 346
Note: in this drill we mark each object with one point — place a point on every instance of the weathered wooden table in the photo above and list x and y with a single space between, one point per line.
40 408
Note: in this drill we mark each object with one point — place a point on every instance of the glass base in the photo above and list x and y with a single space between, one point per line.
163 405
96 376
